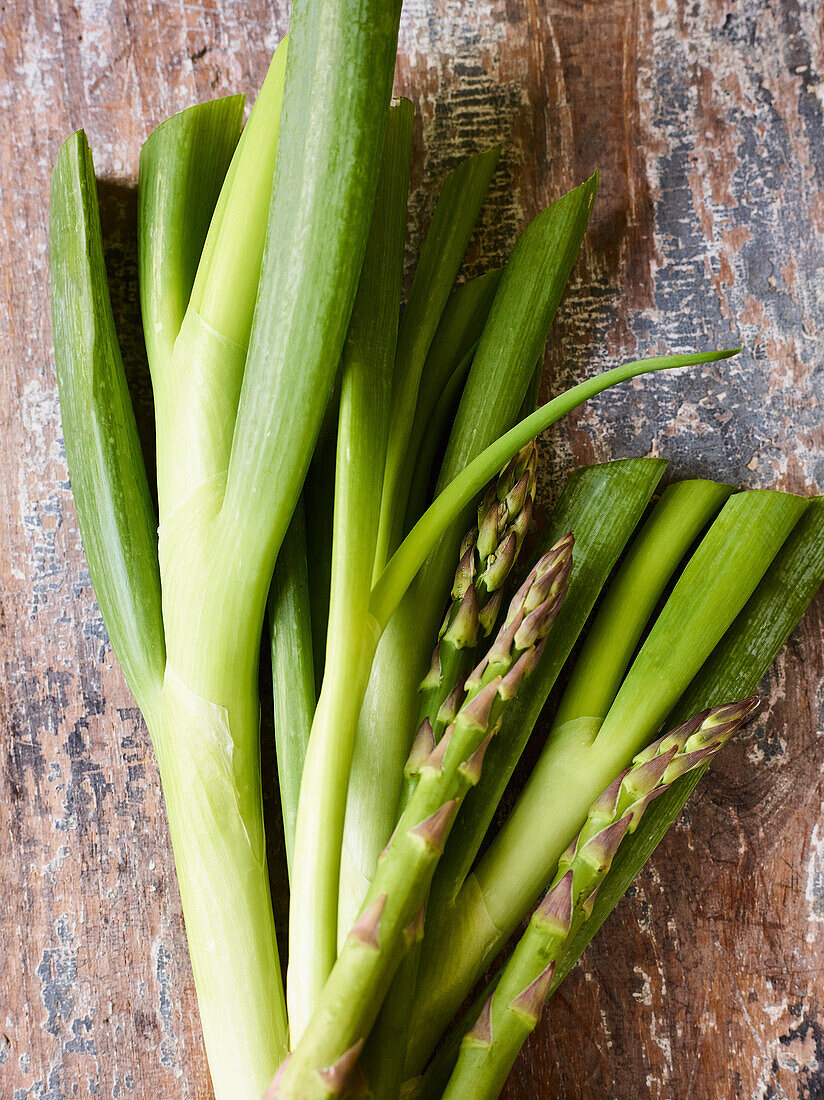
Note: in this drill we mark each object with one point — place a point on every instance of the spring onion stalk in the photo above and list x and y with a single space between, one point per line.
220 872
519 320
393 912
443 250
366 378
513 1010
460 328
198 366
208 745
319 515
235 432
581 760
434 434
680 516
293 672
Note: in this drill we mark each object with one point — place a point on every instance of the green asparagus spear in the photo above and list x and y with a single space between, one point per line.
488 554
392 917
513 1010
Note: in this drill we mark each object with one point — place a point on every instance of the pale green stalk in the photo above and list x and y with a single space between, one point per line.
293 672
215 822
208 740
221 529
579 761
677 520
366 376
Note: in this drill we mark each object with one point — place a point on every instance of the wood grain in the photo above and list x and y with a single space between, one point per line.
705 120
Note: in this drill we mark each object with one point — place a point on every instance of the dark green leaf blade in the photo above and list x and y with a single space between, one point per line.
106 467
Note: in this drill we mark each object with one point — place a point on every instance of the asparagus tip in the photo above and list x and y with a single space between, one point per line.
366 929
471 769
433 830
336 1077
475 714
600 849
530 1001
480 1034
555 911
422 746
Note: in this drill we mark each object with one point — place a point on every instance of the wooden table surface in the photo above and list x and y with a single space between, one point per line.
705 119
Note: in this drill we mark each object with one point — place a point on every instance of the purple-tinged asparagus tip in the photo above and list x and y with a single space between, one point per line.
518 495
589 904
488 615
465 573
551 571
521 670
500 566
538 623
645 777
476 713
489 525
530 1002
422 746
434 830
451 704
413 933
555 911
676 739
600 849
366 929
721 723
433 677
480 1034
471 769
638 808
500 651
436 757
336 1077
688 761
523 521
462 631
273 1091
605 805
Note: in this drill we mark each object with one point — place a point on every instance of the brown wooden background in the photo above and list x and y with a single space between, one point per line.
705 119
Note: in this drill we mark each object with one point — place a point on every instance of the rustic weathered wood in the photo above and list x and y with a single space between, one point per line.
706 123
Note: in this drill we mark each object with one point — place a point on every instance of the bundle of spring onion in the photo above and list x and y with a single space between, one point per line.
372 479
